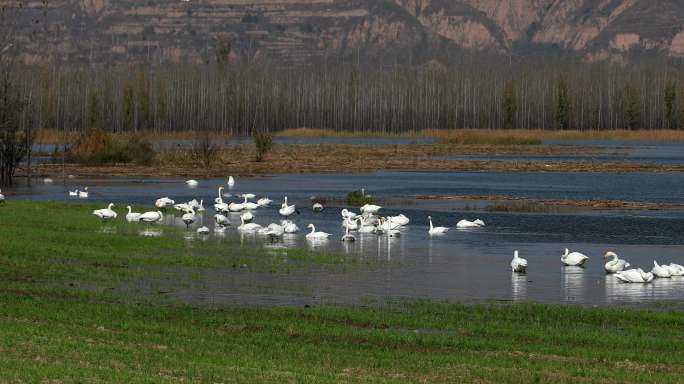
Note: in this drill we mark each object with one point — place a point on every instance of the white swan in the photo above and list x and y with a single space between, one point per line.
163 202
248 204
48 180
348 236
264 202
348 214
674 269
185 207
247 216
317 207
219 199
235 207
194 204
616 264
518 264
364 227
83 194
221 220
105 213
470 224
350 224
289 226
272 230
399 219
387 225
370 208
634 276
287 210
189 218
573 258
231 181
221 208
73 193
659 271
201 206
151 217
249 195
313 235
203 230
191 183
2 197
248 227
132 216
436 230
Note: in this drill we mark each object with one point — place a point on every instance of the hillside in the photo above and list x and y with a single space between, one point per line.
297 31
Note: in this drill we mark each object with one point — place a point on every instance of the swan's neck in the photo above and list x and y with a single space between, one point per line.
431 227
129 209
110 206
313 229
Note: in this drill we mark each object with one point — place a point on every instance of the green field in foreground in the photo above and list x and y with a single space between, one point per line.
57 332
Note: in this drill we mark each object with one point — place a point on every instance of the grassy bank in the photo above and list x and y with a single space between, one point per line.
69 314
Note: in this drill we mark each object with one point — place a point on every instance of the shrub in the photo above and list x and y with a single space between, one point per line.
204 151
96 146
356 198
264 143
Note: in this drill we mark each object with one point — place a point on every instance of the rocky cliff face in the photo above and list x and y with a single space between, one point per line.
297 31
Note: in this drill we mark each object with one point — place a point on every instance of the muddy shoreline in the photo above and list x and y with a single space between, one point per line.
309 158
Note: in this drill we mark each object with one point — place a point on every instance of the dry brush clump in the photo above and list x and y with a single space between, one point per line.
96 146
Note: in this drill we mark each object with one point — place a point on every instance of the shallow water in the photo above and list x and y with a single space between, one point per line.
462 265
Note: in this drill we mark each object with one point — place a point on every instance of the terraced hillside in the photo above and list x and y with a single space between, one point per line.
296 31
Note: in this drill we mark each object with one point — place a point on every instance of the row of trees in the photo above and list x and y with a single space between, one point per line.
243 99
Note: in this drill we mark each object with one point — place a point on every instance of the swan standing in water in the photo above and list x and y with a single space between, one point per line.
436 230
221 220
347 214
518 264
105 213
634 276
189 218
348 236
219 199
313 235
350 224
150 217
616 264
247 216
83 194
659 271
573 259
132 216
248 227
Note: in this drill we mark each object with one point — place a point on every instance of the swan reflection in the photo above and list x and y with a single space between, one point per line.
573 282
518 286
151 232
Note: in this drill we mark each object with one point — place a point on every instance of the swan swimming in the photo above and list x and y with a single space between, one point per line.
518 264
364 227
73 193
264 202
163 202
317 207
83 194
370 208
235 207
289 226
313 235
248 204
659 271
272 230
436 230
573 259
132 216
634 276
105 213
470 224
219 199
399 219
287 210
191 183
674 269
616 264
231 181
203 230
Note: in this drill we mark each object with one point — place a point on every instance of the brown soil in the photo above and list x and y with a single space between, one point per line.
303 158
593 204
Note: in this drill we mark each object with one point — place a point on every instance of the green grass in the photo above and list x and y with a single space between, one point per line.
54 332
522 207
356 198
